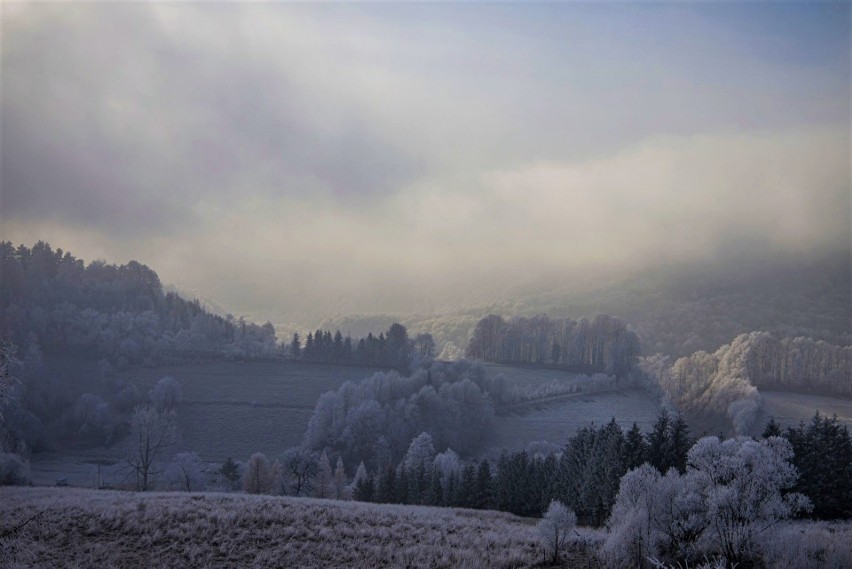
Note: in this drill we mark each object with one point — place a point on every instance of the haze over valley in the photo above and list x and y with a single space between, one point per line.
426 285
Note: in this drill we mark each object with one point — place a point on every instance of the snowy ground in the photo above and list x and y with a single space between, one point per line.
84 528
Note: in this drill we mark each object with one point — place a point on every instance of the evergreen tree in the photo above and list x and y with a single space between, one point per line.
435 492
466 489
772 429
402 488
296 347
679 444
823 455
635 448
387 486
364 490
231 473
658 442
310 349
484 494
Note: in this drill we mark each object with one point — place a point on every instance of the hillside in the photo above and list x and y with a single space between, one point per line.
676 309
84 528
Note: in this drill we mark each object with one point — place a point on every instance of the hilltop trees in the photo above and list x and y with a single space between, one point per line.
603 344
120 313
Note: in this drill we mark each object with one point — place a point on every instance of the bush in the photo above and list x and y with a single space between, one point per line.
14 471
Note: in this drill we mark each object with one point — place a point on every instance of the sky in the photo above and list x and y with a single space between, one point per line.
307 160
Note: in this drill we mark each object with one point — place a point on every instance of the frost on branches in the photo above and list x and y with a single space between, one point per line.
732 492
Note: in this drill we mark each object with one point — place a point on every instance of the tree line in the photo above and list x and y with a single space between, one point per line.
584 475
720 390
392 349
602 344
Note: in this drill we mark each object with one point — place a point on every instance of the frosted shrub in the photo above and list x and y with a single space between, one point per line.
185 473
808 545
555 528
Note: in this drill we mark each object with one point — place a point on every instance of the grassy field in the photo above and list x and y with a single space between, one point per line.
556 421
85 528
237 408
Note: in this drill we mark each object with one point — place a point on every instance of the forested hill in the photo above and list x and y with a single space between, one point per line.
51 300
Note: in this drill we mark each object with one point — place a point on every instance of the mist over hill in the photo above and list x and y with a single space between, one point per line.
676 309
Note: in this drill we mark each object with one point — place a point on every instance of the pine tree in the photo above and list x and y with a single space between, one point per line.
658 441
484 495
772 429
364 490
296 347
679 444
635 448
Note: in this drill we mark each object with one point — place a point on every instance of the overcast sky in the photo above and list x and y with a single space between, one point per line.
285 157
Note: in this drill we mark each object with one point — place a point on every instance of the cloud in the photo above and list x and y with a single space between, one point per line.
289 156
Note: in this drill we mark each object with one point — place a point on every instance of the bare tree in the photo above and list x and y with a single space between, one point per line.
152 432
301 467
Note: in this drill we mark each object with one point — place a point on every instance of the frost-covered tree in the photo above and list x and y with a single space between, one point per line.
185 473
732 491
340 488
745 486
555 528
421 452
166 394
259 477
152 433
323 486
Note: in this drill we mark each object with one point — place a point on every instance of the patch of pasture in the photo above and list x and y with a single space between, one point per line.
789 409
555 421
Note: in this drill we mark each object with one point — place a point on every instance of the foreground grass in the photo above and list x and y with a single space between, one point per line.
86 528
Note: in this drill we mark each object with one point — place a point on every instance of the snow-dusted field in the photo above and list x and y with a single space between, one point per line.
556 421
84 528
790 408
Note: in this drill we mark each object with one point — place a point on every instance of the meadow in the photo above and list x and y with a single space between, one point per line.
75 528
555 421
789 409
87 528
238 408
